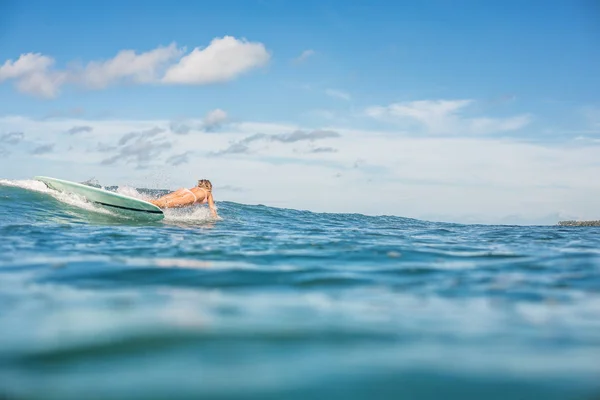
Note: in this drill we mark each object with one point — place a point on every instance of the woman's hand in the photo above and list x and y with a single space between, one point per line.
211 205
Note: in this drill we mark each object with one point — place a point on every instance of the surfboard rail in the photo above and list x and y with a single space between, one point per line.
114 201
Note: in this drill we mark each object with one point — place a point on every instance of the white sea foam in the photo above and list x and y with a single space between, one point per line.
28 184
189 215
132 192
67 198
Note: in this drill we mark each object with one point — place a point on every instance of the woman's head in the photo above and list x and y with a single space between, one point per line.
205 184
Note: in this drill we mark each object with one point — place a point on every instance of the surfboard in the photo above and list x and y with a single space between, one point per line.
116 202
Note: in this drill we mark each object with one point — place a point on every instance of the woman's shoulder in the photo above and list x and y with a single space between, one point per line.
197 189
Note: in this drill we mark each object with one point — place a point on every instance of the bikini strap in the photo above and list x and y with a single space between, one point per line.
195 198
205 191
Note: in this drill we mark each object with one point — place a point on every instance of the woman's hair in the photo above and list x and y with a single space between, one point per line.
205 183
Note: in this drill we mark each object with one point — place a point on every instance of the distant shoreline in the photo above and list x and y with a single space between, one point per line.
579 223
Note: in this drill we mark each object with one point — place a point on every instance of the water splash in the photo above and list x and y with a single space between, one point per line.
132 192
28 184
189 215
67 198
186 215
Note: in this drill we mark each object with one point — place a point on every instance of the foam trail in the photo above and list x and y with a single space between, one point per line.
28 184
189 214
67 198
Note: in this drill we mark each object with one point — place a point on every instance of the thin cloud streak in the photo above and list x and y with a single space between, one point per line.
305 55
79 129
43 149
445 117
11 138
242 146
179 159
338 94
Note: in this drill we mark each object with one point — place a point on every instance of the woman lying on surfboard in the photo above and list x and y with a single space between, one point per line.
200 194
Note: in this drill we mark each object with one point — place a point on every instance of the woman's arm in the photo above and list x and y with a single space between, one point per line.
211 204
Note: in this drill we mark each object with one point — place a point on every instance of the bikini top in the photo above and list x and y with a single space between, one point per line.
196 198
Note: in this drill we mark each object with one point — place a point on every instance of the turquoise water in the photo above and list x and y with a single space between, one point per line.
276 303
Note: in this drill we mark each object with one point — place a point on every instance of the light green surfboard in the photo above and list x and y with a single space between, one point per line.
116 202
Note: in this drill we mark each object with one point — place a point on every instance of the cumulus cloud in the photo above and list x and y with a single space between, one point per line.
43 149
445 117
214 120
79 129
26 64
222 60
11 137
338 94
127 65
305 55
32 74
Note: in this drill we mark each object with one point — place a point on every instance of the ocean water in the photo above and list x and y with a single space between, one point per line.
273 303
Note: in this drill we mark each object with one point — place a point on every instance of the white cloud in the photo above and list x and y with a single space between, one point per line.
32 74
445 117
490 125
338 94
306 54
214 119
128 65
402 175
224 59
11 138
26 64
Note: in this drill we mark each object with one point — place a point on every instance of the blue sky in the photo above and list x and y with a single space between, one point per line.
509 88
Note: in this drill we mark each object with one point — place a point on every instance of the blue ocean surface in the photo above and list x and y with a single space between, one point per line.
272 303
